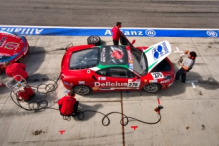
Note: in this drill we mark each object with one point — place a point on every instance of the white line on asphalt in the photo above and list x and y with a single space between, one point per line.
193 85
178 51
192 81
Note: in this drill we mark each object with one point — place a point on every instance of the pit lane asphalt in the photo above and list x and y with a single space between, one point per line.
190 115
95 13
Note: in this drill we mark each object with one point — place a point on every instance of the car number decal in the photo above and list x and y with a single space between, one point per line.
157 75
133 84
11 45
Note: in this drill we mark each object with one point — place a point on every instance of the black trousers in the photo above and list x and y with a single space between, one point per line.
115 42
181 72
75 108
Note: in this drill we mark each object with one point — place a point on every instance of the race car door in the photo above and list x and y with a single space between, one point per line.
122 79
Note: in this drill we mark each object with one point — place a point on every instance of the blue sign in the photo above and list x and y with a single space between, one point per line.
86 31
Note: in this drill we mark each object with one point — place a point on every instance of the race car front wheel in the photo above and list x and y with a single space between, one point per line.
82 90
152 88
94 40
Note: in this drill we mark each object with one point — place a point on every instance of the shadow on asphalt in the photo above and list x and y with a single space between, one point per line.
89 111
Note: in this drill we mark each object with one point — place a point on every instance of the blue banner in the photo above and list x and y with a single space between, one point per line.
86 31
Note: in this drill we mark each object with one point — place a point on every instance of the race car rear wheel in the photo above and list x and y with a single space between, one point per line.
94 40
82 90
152 88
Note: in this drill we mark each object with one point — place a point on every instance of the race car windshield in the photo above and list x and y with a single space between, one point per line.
84 59
139 62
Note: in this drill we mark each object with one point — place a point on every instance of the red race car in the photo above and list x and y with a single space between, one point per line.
13 48
90 68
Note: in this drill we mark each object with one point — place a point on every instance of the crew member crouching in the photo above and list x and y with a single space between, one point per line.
15 69
68 105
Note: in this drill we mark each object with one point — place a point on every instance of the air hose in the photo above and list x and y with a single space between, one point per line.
51 87
37 105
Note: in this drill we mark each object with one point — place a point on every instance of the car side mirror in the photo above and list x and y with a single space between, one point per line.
133 41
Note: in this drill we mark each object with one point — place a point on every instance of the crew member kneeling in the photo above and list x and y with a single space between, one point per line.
68 105
186 66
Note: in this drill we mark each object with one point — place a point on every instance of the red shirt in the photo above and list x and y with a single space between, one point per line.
14 69
116 33
67 103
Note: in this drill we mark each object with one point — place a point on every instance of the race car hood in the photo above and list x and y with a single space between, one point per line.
10 44
156 53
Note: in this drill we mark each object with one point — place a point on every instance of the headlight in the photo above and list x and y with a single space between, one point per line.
167 77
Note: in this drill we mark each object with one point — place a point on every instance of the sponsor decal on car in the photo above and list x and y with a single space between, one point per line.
101 78
103 55
98 84
130 66
157 75
134 84
66 83
165 81
2 41
130 56
160 51
11 45
81 82
95 88
153 81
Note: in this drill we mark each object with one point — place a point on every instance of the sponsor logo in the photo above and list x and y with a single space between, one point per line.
212 33
95 88
130 66
2 41
160 51
81 82
126 32
101 78
98 84
130 56
11 46
165 81
32 31
103 55
153 81
150 32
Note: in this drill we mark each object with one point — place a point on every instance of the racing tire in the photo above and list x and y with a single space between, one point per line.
94 39
152 88
82 90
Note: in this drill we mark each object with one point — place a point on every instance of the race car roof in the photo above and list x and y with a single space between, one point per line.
113 55
101 56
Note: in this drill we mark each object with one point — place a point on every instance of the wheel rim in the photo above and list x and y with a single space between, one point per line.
151 88
82 90
93 39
